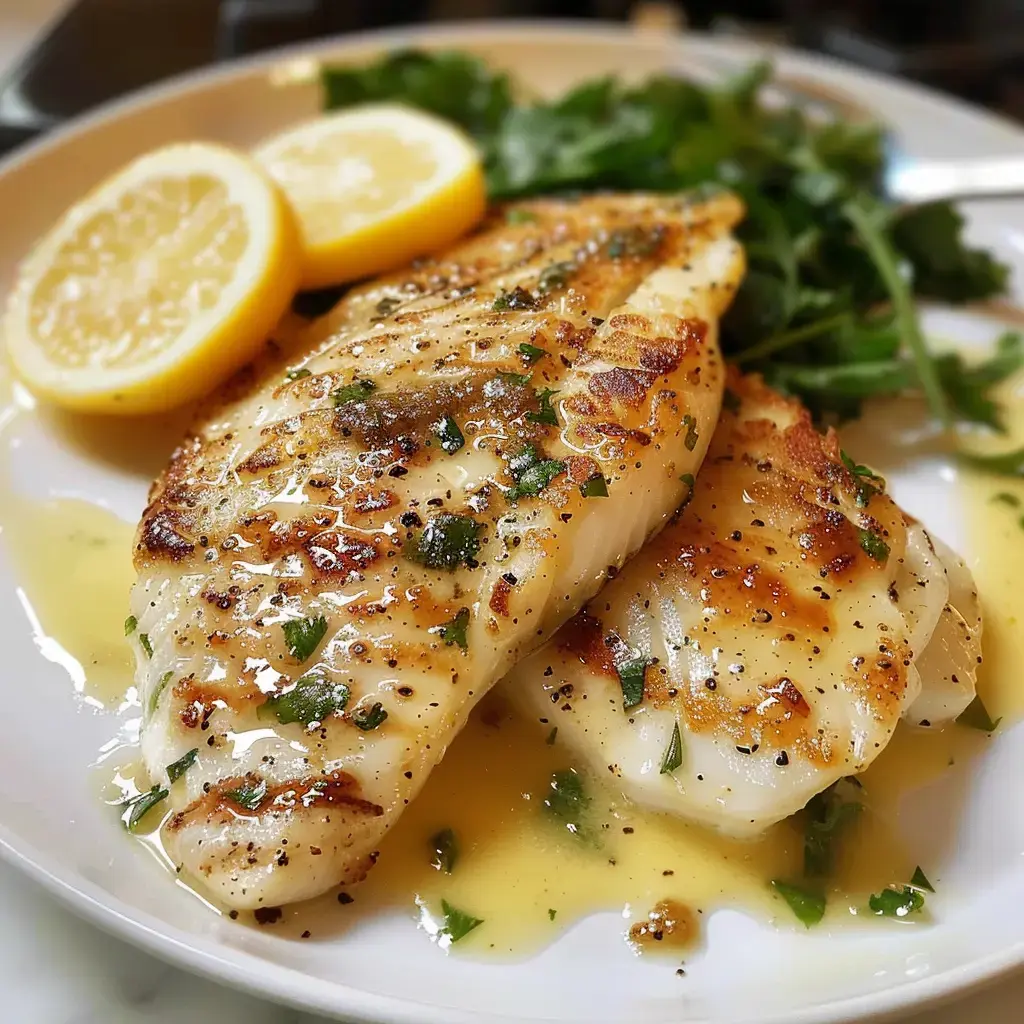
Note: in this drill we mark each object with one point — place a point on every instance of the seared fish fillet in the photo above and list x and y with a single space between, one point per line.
783 623
346 556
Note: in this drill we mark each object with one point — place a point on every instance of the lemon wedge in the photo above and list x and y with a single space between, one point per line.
157 285
374 187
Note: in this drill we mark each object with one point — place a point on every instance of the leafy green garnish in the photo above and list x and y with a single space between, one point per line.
691 432
297 374
531 353
447 541
976 716
357 391
555 276
141 805
130 625
249 795
874 547
519 379
567 801
807 904
919 880
826 815
531 473
457 923
311 700
552 913
1005 498
673 752
898 901
595 487
868 484
176 769
546 414
552 736
631 676
517 298
303 636
158 690
448 433
687 479
454 632
445 851
368 717
147 646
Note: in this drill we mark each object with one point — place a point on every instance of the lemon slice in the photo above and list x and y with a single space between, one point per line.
158 284
373 187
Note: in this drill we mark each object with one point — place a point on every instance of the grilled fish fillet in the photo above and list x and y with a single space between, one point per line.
345 556
783 623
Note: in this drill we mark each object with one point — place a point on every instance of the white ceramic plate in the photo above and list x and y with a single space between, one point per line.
57 829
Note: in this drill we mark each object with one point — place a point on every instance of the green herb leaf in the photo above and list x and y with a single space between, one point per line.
158 690
631 677
457 923
297 374
552 736
691 432
448 433
551 914
368 717
445 851
146 645
1005 498
176 769
302 636
555 276
141 805
595 487
518 379
531 473
919 880
673 752
546 414
454 632
357 391
807 904
873 544
387 305
896 902
868 484
130 625
567 801
311 700
687 479
826 816
976 716
250 795
531 353
517 298
447 541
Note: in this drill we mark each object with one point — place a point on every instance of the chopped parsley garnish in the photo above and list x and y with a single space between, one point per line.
357 391
454 632
919 880
158 690
303 636
531 473
807 904
595 487
457 923
634 241
976 716
546 413
1005 498
447 541
368 717
874 547
445 851
555 276
552 736
518 298
387 305
673 752
531 353
826 815
896 901
631 677
448 433
687 479
176 769
311 700
130 625
520 379
146 645
690 440
868 484
551 913
141 805
297 374
567 802
520 217
249 795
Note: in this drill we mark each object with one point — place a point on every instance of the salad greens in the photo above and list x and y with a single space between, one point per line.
826 311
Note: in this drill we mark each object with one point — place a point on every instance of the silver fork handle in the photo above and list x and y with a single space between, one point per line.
922 181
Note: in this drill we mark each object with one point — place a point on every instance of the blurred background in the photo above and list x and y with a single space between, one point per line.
78 54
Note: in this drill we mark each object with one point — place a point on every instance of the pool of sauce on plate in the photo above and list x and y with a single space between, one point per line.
519 869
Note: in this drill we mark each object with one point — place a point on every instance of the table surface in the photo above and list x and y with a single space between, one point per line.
58 969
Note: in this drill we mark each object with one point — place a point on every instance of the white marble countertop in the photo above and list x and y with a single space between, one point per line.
58 969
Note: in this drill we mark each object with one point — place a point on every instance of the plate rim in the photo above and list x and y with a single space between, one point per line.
254 974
